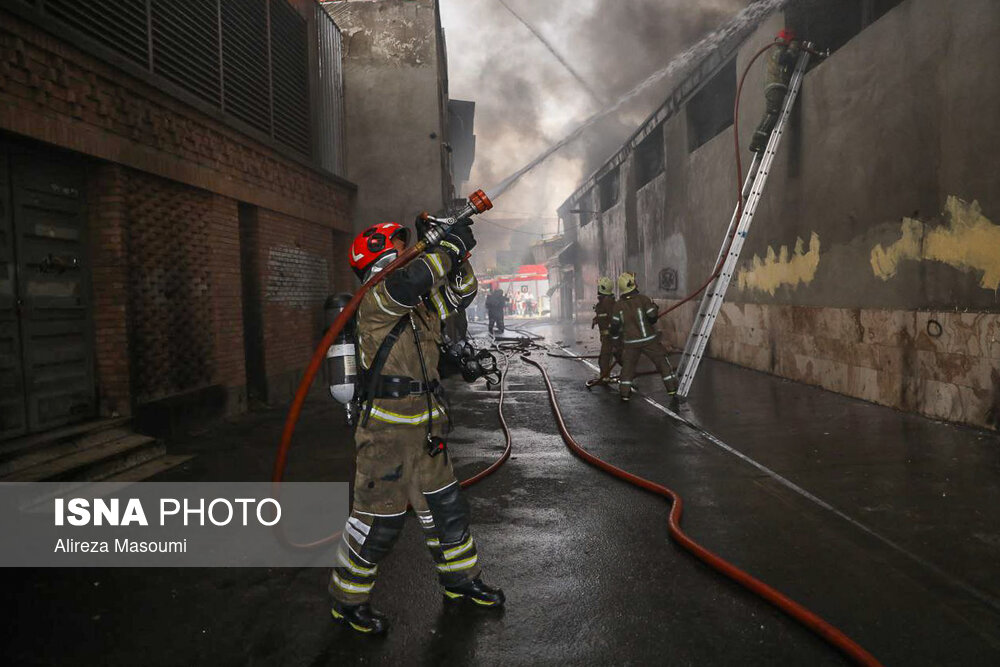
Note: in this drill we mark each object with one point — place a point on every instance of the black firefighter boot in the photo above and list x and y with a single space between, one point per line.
475 590
361 617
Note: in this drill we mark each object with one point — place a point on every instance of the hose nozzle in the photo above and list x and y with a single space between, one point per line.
477 202
480 201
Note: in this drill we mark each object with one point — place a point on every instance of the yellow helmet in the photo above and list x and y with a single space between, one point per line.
605 286
626 282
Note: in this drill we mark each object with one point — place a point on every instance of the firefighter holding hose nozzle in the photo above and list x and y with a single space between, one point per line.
633 323
402 423
780 65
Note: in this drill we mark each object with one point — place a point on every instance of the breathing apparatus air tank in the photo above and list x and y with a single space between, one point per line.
341 357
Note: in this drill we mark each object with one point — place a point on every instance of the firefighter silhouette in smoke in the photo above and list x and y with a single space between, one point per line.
780 65
610 348
402 457
633 323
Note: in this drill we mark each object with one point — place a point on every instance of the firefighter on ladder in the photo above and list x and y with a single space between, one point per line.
603 310
780 65
402 457
633 323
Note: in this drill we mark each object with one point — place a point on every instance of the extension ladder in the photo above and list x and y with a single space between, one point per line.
753 187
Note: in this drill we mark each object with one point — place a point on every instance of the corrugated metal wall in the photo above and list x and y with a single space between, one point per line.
247 58
330 123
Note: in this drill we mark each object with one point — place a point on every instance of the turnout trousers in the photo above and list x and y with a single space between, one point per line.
656 353
393 470
608 356
496 320
774 97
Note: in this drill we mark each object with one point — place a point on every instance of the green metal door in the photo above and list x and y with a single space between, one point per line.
51 289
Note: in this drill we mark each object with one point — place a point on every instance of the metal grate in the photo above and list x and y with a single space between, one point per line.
330 124
186 45
119 25
249 58
244 62
290 75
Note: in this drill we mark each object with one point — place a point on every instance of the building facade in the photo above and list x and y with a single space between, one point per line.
397 118
873 263
171 216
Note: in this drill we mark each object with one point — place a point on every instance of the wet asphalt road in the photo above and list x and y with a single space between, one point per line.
590 574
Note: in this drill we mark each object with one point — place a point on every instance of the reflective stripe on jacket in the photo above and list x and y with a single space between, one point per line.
633 320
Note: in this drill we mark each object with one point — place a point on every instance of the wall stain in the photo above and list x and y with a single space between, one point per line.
969 241
993 413
778 269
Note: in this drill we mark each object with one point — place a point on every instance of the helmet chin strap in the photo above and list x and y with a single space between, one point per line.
385 260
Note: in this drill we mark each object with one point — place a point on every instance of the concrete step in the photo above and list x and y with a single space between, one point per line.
57 449
95 462
150 468
15 447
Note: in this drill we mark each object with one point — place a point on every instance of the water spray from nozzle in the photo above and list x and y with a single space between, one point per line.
751 16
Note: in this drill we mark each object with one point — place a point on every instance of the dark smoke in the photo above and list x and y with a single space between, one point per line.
599 99
526 100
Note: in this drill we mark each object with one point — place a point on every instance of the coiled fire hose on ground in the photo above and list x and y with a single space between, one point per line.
825 630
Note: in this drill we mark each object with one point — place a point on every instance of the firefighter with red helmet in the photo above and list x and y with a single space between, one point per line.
402 455
780 65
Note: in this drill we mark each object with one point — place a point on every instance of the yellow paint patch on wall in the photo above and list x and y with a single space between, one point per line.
969 241
777 269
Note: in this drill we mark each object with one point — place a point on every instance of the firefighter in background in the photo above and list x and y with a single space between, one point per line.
496 303
633 323
603 310
402 456
780 65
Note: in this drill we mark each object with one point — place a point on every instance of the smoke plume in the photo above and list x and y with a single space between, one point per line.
527 100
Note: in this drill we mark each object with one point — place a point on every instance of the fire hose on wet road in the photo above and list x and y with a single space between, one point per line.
809 619
522 348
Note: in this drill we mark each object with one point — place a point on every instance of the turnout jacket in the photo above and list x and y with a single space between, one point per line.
424 292
495 302
603 309
633 320
780 65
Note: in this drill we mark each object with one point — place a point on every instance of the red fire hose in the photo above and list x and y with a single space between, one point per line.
807 618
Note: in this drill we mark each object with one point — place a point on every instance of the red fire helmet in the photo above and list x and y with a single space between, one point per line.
372 248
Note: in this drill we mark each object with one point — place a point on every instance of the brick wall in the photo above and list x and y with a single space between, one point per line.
941 364
164 197
109 266
184 299
299 265
56 93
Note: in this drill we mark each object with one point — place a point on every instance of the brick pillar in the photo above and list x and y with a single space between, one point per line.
109 261
342 276
227 301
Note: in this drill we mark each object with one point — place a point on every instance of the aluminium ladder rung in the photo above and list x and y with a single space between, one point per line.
711 301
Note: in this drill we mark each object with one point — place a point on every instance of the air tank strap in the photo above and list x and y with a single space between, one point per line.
372 375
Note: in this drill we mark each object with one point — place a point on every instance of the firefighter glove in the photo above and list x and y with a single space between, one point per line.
458 242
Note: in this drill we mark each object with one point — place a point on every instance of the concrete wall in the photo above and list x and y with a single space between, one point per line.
395 86
873 264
